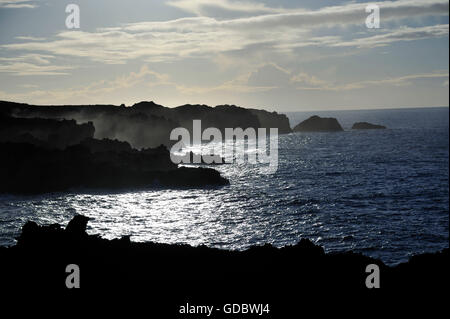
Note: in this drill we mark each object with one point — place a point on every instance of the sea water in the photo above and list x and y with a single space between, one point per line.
384 193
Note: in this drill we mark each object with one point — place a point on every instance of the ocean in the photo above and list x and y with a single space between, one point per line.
384 193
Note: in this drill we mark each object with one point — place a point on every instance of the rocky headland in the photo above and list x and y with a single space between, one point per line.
147 124
94 164
58 148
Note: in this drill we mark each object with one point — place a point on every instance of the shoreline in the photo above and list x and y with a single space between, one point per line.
49 249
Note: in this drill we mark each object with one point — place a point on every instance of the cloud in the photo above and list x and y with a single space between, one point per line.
33 69
28 38
269 75
157 41
93 89
31 64
144 77
348 14
304 78
149 82
237 85
17 4
236 39
402 34
152 78
221 7
312 83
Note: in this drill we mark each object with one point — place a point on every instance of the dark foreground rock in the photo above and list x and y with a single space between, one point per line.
367 126
319 124
169 272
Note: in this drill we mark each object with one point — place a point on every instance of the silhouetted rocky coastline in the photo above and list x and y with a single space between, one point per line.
42 155
43 132
26 168
147 124
121 264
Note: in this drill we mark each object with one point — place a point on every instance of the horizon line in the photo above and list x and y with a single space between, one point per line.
245 107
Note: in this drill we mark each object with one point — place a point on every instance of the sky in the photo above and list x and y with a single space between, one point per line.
276 55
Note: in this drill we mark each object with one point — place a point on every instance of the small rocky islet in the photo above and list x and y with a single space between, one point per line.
367 126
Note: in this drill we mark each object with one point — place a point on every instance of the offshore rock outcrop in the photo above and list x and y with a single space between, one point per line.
367 126
42 252
147 124
318 124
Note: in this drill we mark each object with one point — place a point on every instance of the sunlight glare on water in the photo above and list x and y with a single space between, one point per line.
381 192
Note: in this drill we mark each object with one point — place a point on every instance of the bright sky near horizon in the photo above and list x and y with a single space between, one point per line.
276 55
